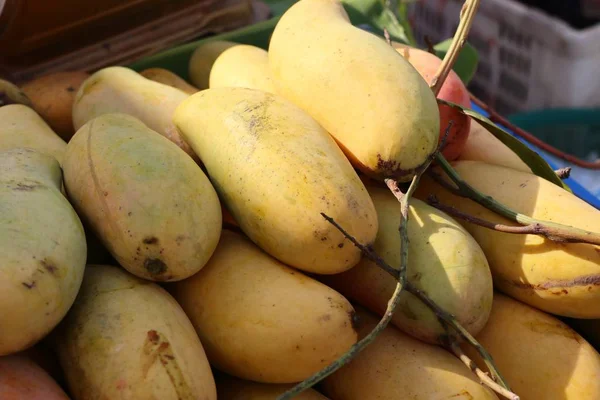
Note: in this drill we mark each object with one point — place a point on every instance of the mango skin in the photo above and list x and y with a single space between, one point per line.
22 379
444 261
372 101
202 60
42 249
277 170
397 366
559 278
53 95
483 146
539 356
22 127
232 388
151 206
169 78
261 320
127 338
122 90
242 66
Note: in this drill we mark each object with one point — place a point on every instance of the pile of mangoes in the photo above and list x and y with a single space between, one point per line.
161 239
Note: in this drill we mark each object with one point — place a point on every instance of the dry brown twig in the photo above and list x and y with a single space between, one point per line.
484 377
550 230
531 229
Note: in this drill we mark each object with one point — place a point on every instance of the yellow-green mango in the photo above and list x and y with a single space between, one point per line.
360 89
277 170
444 261
122 90
242 66
232 388
397 366
261 320
22 127
149 203
539 356
42 249
127 338
202 60
559 278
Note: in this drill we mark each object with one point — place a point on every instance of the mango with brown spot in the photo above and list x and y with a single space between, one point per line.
127 338
42 249
148 202
261 320
559 278
52 96
444 261
276 170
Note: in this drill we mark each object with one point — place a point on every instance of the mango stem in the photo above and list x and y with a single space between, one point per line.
399 275
446 319
485 378
550 230
467 14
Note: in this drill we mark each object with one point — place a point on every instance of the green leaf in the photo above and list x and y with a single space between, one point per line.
537 164
376 14
466 63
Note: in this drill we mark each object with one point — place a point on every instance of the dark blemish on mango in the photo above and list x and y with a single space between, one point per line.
28 285
153 336
155 266
48 266
70 89
150 240
129 213
341 245
325 318
25 188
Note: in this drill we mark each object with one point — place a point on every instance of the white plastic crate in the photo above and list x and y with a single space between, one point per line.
528 60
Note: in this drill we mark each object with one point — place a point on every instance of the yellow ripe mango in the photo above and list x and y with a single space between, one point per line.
539 356
482 146
397 366
261 320
444 261
277 170
127 338
202 60
42 249
559 278
360 89
22 127
122 90
232 388
149 203
242 66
